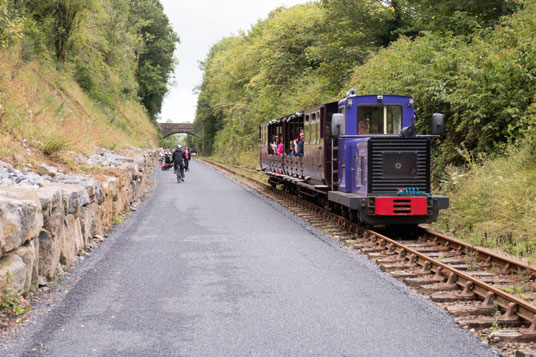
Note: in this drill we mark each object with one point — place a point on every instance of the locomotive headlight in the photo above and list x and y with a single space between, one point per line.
380 98
411 102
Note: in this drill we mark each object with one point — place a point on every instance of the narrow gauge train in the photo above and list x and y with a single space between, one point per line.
362 158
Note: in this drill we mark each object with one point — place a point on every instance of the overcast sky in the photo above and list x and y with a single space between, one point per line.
200 24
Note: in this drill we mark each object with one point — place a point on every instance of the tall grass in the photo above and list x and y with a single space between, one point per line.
493 203
53 145
48 109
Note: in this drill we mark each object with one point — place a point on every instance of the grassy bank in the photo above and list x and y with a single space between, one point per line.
493 204
46 111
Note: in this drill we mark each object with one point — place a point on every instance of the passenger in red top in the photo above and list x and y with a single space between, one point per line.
280 147
187 161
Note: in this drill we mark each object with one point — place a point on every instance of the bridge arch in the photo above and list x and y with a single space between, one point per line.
168 129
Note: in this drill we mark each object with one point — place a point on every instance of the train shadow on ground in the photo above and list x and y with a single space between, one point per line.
400 232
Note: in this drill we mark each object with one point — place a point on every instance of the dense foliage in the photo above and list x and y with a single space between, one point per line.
116 49
470 60
10 24
275 68
484 82
156 56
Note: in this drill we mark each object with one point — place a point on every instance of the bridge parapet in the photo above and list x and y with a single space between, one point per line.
177 128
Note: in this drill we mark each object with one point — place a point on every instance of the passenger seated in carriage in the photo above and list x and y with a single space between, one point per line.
298 145
272 149
280 147
291 152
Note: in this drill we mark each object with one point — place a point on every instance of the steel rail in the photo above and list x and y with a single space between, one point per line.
488 257
524 310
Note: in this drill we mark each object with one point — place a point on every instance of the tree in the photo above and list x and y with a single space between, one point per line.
61 19
103 52
457 16
155 59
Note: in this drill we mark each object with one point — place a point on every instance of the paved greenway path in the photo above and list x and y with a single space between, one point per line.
208 268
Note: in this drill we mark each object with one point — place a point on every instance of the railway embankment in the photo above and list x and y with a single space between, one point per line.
48 216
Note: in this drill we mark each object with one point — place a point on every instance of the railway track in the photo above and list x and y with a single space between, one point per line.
491 295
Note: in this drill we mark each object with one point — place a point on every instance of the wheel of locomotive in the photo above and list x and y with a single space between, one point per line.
324 202
345 212
287 187
335 208
354 215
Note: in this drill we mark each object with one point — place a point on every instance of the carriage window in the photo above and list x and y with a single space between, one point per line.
322 126
317 128
320 134
307 130
313 128
379 119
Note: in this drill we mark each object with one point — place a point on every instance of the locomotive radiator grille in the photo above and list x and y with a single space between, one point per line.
397 164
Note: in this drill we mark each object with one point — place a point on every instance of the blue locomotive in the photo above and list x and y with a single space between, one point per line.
359 156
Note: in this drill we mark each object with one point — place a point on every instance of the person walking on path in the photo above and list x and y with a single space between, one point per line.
178 162
187 160
161 158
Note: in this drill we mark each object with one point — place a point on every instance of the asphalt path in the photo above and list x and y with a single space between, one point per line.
209 268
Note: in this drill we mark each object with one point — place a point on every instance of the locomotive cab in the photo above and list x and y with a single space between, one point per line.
384 167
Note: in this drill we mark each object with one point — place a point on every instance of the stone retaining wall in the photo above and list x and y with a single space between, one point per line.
47 219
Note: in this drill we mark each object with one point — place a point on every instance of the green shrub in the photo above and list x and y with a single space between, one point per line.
54 144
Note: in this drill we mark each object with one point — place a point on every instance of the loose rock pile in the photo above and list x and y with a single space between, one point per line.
48 217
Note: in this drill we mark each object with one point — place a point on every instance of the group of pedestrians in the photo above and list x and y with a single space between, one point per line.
179 158
181 162
165 158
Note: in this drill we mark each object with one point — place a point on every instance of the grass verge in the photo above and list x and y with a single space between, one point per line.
493 204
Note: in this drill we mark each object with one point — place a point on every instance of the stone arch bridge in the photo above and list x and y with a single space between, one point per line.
168 129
